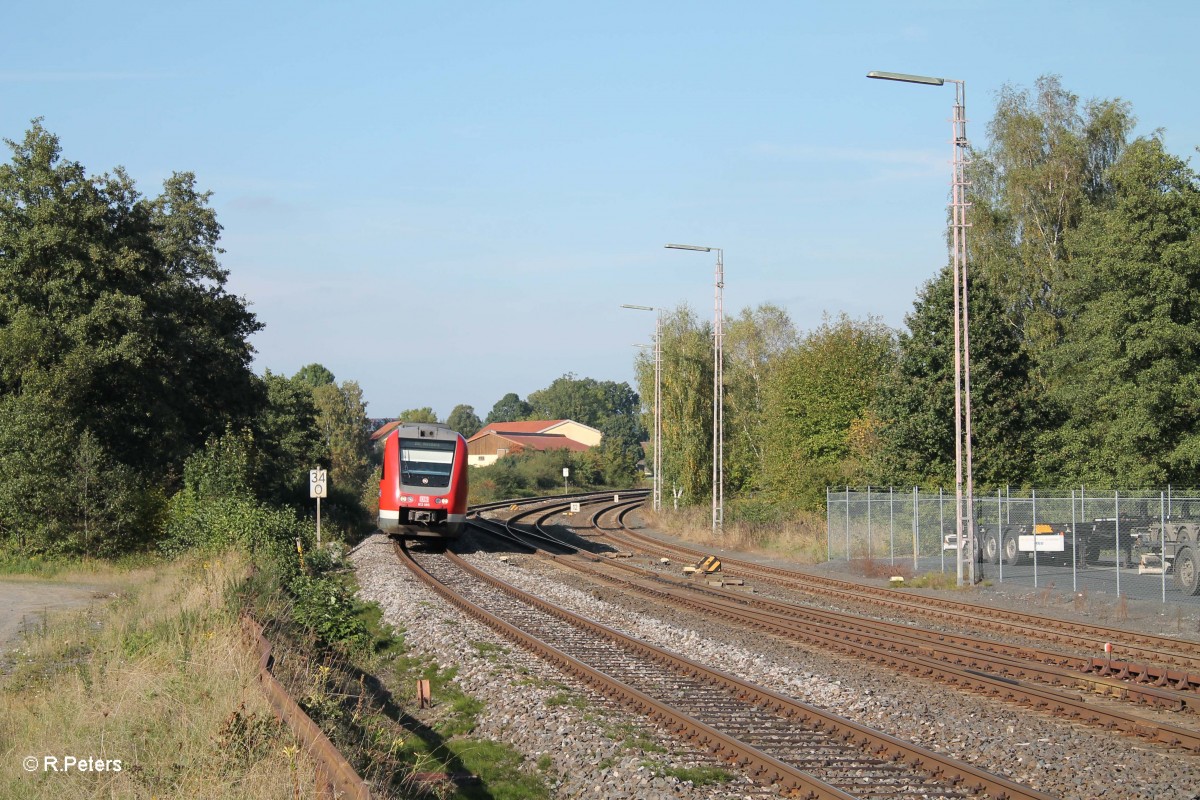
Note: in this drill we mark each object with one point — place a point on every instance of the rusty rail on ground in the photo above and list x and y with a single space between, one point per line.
335 777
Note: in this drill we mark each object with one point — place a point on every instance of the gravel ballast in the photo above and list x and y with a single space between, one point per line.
595 749
1056 757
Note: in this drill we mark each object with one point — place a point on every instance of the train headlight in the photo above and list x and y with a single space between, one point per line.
444 501
406 499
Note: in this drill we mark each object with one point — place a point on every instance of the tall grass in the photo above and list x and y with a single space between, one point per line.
158 679
20 565
800 537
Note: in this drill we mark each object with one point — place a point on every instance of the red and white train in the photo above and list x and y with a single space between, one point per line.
423 493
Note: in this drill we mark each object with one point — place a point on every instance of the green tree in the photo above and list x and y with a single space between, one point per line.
814 396
913 414
287 440
584 400
314 375
113 305
464 420
686 408
620 450
216 508
1129 364
1047 159
342 424
425 414
754 341
509 408
116 305
34 457
201 370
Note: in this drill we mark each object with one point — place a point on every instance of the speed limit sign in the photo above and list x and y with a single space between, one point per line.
318 483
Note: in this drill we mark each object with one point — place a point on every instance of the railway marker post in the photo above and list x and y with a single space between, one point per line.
318 487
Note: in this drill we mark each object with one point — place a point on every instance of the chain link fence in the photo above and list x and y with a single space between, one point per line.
1142 545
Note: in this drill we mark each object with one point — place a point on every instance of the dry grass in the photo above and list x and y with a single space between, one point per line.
801 539
158 678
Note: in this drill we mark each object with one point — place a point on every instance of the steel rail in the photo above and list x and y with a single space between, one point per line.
547 510
953 666
755 762
1173 691
868 636
1122 670
1148 658
335 777
1048 666
624 504
570 497
943 768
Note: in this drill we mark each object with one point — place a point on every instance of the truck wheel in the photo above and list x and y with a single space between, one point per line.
1124 558
991 549
1012 554
1187 572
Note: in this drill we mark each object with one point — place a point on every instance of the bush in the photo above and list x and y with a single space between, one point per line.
218 522
216 508
533 473
326 606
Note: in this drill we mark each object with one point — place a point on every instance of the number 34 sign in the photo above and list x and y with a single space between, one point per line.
318 483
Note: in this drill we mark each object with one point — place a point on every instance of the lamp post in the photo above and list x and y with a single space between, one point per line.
657 402
962 339
718 492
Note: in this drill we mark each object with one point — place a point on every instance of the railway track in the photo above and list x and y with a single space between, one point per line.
799 748
1136 657
1006 672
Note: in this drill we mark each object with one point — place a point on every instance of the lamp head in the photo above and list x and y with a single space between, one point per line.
900 76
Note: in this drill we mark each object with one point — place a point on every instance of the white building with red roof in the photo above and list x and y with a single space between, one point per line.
498 439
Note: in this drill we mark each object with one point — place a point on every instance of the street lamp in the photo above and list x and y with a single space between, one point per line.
718 501
962 339
657 402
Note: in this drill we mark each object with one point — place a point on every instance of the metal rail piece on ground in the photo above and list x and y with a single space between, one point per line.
335 777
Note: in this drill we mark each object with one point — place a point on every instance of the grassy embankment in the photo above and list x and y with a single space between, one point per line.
159 678
801 539
156 677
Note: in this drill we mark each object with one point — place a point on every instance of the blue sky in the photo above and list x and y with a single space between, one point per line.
449 201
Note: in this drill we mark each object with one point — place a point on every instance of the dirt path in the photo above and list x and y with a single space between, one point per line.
23 602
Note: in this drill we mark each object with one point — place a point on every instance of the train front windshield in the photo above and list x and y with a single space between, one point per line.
426 463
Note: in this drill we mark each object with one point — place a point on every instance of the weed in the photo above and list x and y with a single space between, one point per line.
488 650
800 535
633 737
704 775
247 736
566 699
933 580
700 776
499 769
